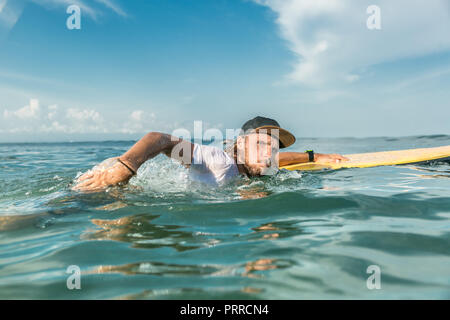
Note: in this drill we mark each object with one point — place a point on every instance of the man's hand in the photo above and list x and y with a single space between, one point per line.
327 158
112 172
108 173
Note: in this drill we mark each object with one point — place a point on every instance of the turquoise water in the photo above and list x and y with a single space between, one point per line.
291 236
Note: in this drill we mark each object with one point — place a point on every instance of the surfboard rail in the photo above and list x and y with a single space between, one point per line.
375 159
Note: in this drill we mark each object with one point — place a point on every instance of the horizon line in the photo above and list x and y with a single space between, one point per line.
192 140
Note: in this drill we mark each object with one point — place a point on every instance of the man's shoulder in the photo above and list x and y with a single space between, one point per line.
206 148
212 154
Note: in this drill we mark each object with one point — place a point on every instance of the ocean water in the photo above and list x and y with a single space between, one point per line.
290 236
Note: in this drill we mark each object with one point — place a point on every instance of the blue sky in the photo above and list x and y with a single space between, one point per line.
138 66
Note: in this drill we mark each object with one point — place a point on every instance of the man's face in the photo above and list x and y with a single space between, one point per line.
261 154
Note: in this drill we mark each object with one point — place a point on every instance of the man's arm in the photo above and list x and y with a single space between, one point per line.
154 143
287 158
148 147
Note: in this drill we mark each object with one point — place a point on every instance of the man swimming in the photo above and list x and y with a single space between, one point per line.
255 152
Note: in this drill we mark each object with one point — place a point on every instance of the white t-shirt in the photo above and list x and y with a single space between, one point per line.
212 165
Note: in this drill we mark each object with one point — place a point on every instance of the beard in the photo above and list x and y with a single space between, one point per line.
253 171
257 171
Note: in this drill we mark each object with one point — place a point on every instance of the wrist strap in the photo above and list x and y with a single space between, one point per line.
311 155
132 171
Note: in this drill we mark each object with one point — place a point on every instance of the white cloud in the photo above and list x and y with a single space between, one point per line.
85 121
37 119
139 121
84 115
54 127
85 9
11 10
136 115
33 118
422 78
331 41
114 7
53 110
88 9
2 5
29 111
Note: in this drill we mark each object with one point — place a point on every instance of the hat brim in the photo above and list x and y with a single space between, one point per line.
285 137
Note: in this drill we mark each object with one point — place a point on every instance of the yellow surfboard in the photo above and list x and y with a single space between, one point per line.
375 159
